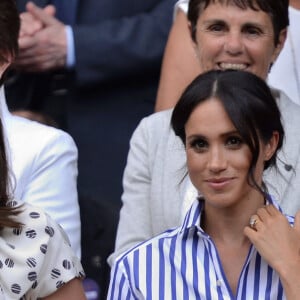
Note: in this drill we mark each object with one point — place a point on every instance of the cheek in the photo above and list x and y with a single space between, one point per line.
242 157
264 56
241 162
206 52
195 164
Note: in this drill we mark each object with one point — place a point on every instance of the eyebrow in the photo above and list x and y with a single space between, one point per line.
221 21
201 136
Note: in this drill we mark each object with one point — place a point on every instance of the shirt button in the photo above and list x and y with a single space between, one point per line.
219 282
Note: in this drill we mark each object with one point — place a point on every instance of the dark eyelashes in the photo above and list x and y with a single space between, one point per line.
198 143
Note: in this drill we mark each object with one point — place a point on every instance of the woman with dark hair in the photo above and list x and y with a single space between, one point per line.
234 243
245 35
36 259
42 159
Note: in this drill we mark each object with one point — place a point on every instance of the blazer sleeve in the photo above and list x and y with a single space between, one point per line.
52 183
135 217
124 47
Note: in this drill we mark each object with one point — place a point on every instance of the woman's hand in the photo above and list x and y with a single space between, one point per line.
279 244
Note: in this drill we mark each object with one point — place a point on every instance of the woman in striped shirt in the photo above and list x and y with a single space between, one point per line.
234 243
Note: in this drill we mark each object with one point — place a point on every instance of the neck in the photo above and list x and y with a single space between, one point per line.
295 4
228 224
228 228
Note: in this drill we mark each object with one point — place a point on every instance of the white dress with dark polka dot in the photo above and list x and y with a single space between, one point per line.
37 259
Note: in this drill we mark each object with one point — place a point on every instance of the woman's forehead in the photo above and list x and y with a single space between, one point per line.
243 4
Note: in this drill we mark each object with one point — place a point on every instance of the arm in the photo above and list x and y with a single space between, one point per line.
46 173
135 216
279 244
130 45
180 65
67 284
124 47
71 290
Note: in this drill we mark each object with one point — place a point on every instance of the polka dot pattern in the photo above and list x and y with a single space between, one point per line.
36 260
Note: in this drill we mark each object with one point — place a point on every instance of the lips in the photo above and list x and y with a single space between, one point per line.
219 183
233 66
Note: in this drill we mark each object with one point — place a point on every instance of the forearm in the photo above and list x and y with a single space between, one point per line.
124 47
290 279
71 290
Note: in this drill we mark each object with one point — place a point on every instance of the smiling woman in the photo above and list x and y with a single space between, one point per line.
225 126
230 125
239 34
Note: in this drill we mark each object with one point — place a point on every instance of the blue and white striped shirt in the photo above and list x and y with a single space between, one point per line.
183 263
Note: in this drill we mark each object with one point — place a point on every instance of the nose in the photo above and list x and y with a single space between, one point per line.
217 161
233 43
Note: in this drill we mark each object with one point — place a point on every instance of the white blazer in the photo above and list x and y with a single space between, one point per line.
43 163
155 183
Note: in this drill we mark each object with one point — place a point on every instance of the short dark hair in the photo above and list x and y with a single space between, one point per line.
249 103
276 9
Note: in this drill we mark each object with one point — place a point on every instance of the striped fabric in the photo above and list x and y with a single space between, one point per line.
183 263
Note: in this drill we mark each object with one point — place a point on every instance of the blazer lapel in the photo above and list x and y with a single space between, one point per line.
282 184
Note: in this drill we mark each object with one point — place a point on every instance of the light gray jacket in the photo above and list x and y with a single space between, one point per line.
153 186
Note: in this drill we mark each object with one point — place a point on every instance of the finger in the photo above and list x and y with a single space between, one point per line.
272 210
30 64
30 27
263 213
50 10
26 42
41 14
254 222
297 221
250 233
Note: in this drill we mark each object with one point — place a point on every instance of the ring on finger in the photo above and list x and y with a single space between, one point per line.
253 221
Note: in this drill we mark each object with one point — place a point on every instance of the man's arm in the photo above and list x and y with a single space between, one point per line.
114 48
124 47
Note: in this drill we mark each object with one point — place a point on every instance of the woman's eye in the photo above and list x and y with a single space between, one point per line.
216 27
252 31
199 145
234 142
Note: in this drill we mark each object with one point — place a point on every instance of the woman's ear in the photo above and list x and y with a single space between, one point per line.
271 146
280 44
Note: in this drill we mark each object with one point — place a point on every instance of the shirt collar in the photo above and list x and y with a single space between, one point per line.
193 216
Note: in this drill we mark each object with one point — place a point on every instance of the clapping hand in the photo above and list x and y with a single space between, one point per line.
42 40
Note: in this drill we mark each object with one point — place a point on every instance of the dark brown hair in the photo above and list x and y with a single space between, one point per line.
9 32
249 104
7 210
276 9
